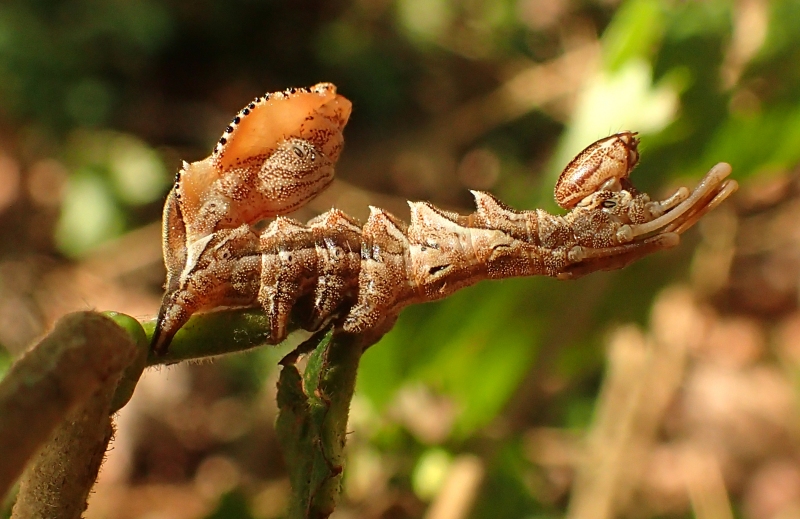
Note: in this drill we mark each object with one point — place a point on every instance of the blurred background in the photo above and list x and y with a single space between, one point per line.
668 389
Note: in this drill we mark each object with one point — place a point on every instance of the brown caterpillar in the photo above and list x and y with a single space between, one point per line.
363 276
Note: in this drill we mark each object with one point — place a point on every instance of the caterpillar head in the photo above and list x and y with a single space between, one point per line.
604 165
604 218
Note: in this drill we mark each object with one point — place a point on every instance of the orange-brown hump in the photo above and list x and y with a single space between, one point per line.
603 161
317 114
230 184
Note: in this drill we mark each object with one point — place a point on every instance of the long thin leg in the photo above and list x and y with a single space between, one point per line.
681 225
710 184
665 205
613 258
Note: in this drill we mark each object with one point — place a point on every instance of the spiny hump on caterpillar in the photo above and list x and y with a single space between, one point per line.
277 153
604 165
304 113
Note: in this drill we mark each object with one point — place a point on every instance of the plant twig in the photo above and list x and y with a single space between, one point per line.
215 333
312 422
57 483
84 352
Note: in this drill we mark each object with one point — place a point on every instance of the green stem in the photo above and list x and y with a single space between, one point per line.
312 422
216 333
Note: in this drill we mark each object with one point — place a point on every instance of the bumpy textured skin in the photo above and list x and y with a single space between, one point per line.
362 276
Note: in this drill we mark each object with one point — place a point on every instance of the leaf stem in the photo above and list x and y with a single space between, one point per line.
312 422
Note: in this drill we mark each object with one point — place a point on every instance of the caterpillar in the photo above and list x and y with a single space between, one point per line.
361 277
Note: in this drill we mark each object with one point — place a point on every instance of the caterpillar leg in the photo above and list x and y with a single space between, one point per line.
709 193
682 211
588 260
338 245
288 257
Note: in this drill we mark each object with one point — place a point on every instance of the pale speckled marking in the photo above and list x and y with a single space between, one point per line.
277 153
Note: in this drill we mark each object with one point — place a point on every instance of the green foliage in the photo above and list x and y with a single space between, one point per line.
131 375
479 365
111 173
5 361
7 504
232 505
67 63
503 494
634 33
